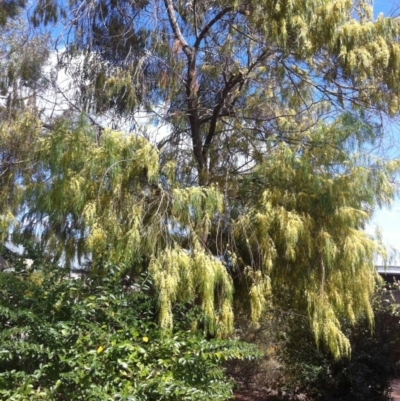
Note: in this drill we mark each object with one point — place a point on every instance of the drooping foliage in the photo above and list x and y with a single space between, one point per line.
227 76
305 227
105 200
256 183
10 9
292 224
17 139
367 375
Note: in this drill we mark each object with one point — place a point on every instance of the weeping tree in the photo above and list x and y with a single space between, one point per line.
292 225
23 57
258 182
225 77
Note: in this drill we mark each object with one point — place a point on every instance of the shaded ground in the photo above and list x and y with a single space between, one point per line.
258 396
251 396
396 390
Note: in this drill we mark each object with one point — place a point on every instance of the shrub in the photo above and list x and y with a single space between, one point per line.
94 339
365 376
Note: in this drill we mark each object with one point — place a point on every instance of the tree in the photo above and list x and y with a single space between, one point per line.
10 9
367 375
255 185
226 72
293 225
23 56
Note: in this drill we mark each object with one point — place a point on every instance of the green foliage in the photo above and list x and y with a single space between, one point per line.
365 376
259 186
24 56
227 76
292 224
95 339
104 200
10 9
304 233
17 137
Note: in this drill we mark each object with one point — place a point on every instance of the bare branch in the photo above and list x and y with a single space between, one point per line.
175 27
233 81
204 32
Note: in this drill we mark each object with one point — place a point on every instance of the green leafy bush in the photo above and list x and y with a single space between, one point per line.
95 339
364 376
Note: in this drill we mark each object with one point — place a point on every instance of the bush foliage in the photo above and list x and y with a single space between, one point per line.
364 376
95 339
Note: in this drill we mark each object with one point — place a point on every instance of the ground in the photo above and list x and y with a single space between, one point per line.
243 396
396 391
252 396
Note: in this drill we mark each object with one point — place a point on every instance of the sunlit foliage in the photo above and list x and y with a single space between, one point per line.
227 76
292 224
93 339
260 181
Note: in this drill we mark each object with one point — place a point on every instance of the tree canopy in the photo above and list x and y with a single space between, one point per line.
225 72
260 180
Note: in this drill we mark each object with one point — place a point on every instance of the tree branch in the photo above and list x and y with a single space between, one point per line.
204 32
233 81
175 28
226 10
207 118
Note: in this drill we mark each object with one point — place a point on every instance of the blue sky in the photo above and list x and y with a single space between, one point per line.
388 220
385 6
